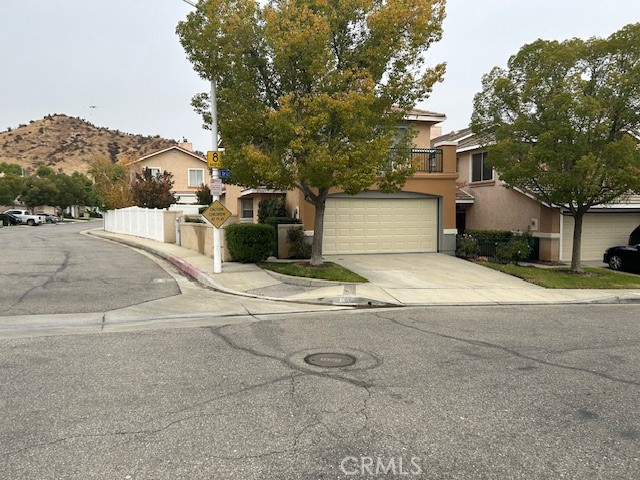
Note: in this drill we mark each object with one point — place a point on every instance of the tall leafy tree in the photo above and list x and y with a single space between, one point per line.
111 183
310 92
562 115
39 191
11 182
153 192
75 189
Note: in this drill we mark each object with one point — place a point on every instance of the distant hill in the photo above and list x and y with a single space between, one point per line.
68 144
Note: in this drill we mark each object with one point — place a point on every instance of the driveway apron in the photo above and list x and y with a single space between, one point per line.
420 278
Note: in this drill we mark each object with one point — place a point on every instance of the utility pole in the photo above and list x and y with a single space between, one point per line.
215 172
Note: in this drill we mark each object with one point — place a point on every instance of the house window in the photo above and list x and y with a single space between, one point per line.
481 170
247 208
196 177
154 171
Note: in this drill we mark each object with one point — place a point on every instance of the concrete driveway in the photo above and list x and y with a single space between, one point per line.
428 278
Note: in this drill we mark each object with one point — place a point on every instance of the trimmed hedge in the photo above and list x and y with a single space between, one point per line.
249 242
489 234
501 246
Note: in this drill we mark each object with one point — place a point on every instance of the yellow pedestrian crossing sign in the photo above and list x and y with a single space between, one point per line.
214 159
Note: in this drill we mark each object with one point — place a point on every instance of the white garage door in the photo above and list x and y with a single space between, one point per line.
599 232
355 225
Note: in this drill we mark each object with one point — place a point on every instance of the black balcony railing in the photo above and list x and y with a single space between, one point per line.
427 160
423 160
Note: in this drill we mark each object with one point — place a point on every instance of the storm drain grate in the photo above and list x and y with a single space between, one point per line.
330 360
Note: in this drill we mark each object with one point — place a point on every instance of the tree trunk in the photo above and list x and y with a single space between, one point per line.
576 265
318 228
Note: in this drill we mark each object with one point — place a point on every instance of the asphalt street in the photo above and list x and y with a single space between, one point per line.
51 269
435 393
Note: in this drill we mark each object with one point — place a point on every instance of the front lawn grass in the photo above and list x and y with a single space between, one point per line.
328 271
562 278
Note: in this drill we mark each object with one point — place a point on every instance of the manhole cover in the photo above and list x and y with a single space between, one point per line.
330 360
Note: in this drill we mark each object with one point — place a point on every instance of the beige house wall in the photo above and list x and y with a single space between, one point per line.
169 226
497 207
178 163
231 198
437 184
441 185
199 237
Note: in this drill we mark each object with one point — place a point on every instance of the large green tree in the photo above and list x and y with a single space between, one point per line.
562 116
11 182
39 191
75 189
310 92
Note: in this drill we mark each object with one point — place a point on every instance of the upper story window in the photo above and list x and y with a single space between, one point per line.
155 171
481 170
196 177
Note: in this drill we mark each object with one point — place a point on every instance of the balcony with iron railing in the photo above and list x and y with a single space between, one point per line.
427 160
423 160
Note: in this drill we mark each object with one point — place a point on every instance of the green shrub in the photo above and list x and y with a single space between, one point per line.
517 249
273 207
274 222
203 195
193 219
466 246
250 243
298 245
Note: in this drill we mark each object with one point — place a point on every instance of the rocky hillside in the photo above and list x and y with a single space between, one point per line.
69 144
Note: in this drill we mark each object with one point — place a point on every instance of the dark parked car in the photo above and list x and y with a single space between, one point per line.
7 219
625 257
634 238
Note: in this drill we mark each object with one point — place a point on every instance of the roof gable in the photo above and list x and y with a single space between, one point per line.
173 147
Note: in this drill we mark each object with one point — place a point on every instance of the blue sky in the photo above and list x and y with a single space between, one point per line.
124 58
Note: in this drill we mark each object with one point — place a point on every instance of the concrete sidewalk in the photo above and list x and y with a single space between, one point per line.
399 280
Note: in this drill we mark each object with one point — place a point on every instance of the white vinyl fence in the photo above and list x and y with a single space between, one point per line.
142 222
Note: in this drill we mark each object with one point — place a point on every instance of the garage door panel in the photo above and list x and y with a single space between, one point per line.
380 225
599 232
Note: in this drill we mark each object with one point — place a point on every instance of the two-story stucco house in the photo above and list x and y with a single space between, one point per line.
484 202
419 218
189 169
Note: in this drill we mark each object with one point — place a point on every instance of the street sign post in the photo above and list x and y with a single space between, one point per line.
217 214
214 159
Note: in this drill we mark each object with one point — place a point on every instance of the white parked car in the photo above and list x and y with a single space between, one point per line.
26 217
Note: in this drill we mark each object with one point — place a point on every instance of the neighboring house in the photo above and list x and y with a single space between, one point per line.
189 169
419 218
484 202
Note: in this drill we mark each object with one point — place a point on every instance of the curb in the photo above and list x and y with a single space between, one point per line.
305 281
205 280
342 300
